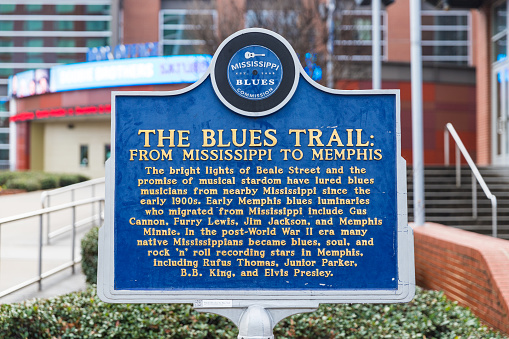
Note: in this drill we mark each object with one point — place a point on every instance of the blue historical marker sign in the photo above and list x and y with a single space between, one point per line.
256 183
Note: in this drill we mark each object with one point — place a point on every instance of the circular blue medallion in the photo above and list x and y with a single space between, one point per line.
255 72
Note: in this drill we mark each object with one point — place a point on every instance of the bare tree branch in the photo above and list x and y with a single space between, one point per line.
302 22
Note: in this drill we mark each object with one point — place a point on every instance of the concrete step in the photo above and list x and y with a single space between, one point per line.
484 202
469 219
460 194
452 206
462 211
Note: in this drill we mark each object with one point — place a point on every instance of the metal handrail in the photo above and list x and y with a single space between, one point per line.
45 202
42 275
476 175
72 187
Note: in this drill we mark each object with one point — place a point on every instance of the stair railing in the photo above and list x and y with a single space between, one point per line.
476 175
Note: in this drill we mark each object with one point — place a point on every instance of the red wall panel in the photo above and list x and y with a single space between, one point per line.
442 103
23 145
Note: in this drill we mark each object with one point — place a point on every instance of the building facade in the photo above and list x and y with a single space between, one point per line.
41 34
490 23
451 53
68 128
493 111
38 34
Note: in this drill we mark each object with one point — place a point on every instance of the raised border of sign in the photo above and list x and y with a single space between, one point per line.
275 299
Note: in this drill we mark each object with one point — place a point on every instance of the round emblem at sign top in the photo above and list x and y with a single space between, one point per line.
255 72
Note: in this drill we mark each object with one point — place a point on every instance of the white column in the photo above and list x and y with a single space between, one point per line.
376 38
417 126
330 42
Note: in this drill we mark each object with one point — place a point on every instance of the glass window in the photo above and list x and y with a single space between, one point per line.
65 60
107 151
6 42
190 27
96 9
4 154
176 19
84 156
64 8
33 25
500 47
4 121
181 49
362 33
6 25
7 8
6 57
439 28
5 72
4 138
64 25
34 42
97 42
500 18
266 18
499 33
66 43
180 34
451 20
33 8
37 58
96 26
452 35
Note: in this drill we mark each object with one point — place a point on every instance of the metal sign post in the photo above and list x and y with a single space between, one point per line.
256 193
417 114
376 51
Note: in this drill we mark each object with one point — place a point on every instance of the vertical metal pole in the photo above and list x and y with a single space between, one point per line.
494 216
73 238
504 112
73 196
417 131
161 23
40 251
330 42
47 220
93 205
474 196
446 147
100 213
376 61
115 22
458 167
470 40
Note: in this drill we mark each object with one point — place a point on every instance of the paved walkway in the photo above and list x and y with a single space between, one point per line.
19 247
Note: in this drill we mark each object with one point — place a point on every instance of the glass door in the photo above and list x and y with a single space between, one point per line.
500 114
500 86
